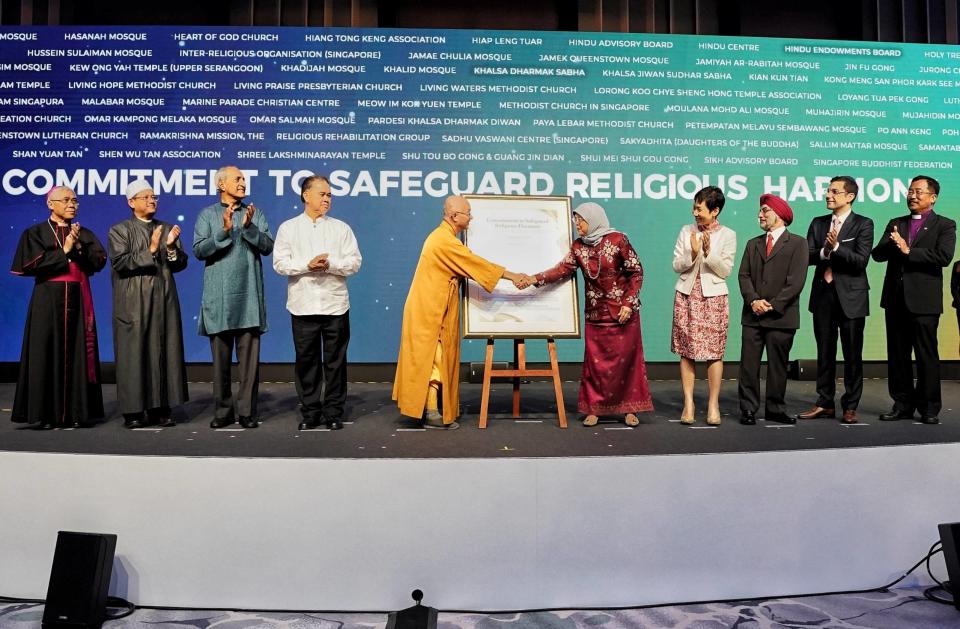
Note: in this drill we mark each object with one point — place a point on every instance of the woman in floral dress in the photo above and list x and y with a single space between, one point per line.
614 379
703 256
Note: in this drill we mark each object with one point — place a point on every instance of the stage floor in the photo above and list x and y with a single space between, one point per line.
893 609
376 429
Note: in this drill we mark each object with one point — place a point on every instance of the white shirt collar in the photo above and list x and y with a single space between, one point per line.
307 217
777 232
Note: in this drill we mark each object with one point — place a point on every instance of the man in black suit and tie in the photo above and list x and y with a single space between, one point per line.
839 245
915 247
772 273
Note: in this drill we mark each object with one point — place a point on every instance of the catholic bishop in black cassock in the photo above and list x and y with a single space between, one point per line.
59 380
147 330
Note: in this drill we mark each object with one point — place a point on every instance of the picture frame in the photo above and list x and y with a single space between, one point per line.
526 234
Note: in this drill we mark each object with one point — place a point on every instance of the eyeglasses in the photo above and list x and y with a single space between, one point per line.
917 193
836 192
765 210
147 197
467 214
68 201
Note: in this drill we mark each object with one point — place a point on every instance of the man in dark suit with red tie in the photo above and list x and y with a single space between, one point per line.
772 273
916 248
839 245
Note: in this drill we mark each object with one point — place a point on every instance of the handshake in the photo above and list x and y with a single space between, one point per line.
520 280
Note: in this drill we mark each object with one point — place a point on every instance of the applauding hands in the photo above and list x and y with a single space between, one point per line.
228 216
899 241
73 237
170 240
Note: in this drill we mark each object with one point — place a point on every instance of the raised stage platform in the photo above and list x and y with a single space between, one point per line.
521 515
376 430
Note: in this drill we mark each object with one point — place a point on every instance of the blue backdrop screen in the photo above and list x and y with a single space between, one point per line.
400 119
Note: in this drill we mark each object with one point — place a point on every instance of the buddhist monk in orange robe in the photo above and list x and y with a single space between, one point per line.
430 337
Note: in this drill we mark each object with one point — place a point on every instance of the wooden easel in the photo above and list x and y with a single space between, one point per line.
520 370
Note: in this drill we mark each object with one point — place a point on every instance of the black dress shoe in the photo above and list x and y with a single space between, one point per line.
249 422
780 418
308 424
221 422
930 419
748 418
45 426
896 414
334 424
133 423
167 422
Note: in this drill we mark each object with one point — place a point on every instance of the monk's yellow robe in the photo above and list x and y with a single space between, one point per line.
431 314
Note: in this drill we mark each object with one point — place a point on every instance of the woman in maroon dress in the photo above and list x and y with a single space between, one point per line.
614 379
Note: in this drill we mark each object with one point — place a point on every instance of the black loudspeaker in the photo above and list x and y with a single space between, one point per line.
950 538
79 580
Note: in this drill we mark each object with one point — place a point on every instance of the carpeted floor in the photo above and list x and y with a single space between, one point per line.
376 430
895 609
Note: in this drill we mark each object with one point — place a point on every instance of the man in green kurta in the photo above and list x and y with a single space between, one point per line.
147 332
230 237
430 336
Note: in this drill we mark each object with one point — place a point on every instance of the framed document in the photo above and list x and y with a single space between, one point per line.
526 234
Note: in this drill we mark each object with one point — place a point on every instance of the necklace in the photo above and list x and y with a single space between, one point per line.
55 233
586 266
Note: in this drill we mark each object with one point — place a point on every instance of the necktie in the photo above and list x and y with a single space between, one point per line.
769 244
828 272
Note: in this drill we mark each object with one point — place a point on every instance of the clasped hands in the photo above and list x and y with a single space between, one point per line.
760 306
319 263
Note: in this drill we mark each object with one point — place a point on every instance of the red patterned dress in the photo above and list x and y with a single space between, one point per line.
700 323
614 379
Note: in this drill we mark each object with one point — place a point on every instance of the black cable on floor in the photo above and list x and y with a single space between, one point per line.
930 572
13 599
117 602
941 586
933 551
929 594
112 602
130 607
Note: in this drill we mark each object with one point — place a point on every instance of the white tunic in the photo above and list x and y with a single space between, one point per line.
301 239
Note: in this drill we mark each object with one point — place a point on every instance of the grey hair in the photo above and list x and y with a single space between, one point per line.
222 173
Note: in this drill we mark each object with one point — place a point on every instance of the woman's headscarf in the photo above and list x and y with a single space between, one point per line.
596 220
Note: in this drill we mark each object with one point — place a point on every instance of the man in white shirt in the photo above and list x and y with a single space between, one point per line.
318 253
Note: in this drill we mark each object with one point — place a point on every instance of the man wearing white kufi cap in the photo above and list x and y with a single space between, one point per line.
147 330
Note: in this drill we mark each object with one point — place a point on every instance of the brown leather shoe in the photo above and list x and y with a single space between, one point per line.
817 412
849 416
